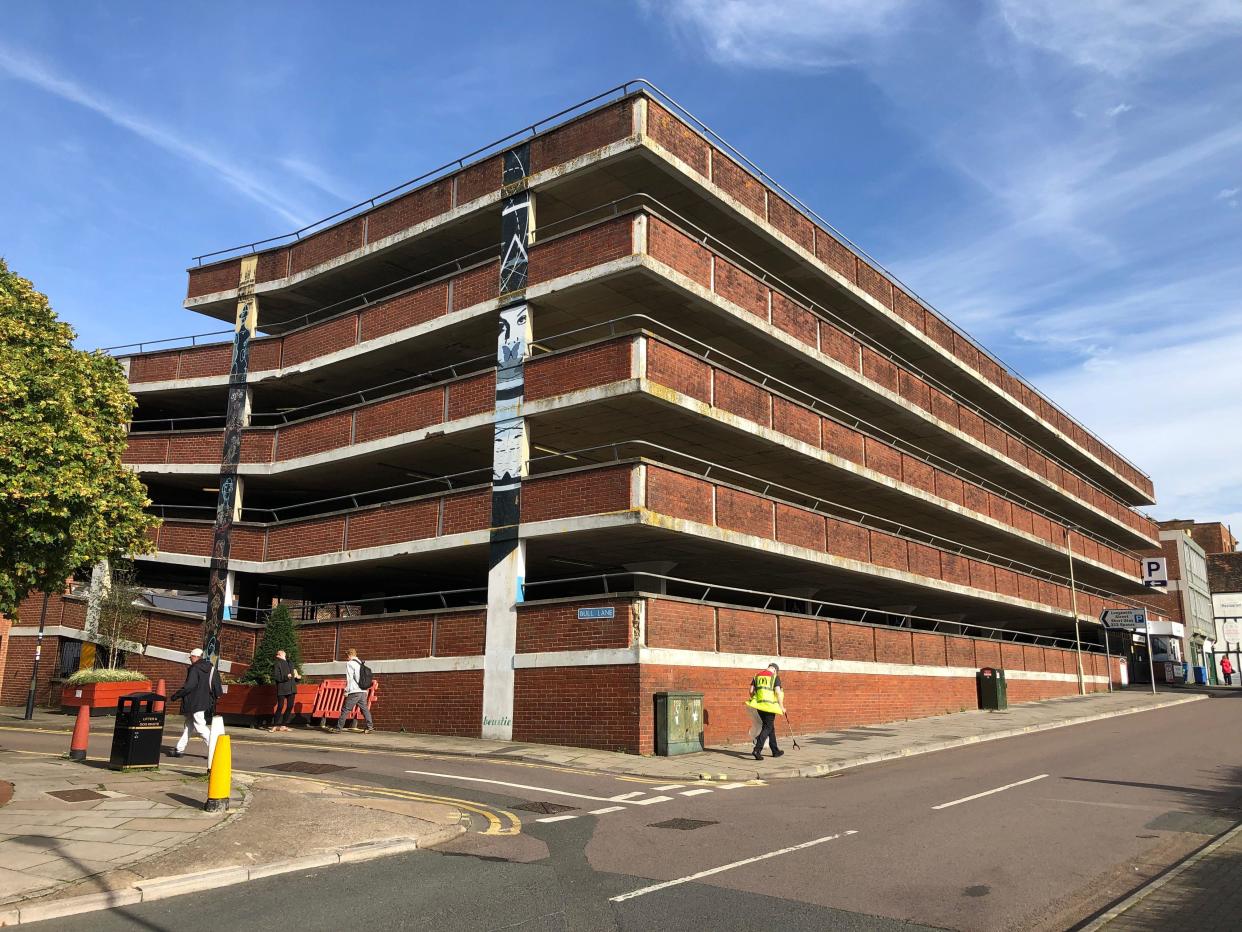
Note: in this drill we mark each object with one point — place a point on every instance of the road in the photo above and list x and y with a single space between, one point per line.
1034 832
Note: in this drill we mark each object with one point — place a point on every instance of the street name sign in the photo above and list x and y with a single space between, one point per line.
1124 619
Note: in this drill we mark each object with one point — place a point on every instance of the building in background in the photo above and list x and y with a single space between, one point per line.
604 411
1189 636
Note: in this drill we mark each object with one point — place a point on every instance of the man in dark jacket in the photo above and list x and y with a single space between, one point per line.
198 697
286 677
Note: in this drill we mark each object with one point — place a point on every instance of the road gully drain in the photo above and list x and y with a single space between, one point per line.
685 825
545 808
303 766
76 796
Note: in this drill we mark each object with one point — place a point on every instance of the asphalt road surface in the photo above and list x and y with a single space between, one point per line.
1036 832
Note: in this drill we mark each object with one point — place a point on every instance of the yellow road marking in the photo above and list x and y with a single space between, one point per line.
500 821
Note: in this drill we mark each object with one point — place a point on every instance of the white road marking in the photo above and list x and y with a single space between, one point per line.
557 818
694 792
606 809
730 786
521 786
670 786
1007 786
624 796
725 867
648 802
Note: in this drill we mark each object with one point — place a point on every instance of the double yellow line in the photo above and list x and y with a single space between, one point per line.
499 821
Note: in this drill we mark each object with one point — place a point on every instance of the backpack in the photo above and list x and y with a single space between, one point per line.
365 676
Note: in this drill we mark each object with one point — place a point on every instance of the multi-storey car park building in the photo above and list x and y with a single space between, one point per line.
713 434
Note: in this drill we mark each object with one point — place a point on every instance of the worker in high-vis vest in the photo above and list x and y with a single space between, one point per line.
768 699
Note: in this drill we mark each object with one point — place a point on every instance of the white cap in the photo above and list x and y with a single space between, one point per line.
197 652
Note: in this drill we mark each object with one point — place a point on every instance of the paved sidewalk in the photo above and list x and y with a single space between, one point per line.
68 821
77 837
819 754
1203 893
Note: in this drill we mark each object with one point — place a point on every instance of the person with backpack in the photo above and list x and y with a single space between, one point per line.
1226 667
358 679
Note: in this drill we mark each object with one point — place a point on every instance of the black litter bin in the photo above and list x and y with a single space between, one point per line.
138 733
993 693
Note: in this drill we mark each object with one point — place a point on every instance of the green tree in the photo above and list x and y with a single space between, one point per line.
280 633
66 500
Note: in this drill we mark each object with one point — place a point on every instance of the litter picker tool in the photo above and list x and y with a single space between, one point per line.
789 725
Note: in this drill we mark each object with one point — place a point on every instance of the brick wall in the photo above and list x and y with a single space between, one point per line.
557 627
584 706
595 245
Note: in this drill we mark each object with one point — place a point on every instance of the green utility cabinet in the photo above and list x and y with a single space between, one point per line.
993 693
678 723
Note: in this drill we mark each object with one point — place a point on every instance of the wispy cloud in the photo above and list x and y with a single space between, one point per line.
235 175
1079 247
1119 36
790 34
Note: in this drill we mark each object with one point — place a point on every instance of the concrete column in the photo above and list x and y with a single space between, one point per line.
506 576
651 583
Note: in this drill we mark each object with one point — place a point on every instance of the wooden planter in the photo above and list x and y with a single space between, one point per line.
101 697
260 701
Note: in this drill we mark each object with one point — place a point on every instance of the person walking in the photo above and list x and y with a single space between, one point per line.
286 676
357 682
1226 667
198 697
768 699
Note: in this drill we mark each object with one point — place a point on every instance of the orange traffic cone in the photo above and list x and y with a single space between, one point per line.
81 734
159 688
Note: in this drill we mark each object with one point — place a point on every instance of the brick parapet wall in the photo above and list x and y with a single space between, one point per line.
556 147
552 258
716 168
563 495
152 629
679 370
412 410
697 262
680 495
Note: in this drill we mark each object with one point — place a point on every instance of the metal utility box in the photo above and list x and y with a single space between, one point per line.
138 732
993 693
678 723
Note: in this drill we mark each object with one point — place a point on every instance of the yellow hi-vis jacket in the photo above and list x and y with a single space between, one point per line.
765 695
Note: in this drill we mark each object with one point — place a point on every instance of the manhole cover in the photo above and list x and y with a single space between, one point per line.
76 796
305 766
545 808
686 825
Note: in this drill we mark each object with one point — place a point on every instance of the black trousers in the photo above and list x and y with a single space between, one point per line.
284 710
767 732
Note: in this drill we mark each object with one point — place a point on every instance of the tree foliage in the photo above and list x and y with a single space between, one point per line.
280 633
66 500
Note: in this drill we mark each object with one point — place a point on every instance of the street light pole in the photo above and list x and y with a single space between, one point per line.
1069 549
34 672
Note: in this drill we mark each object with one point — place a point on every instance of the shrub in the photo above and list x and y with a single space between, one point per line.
280 633
104 675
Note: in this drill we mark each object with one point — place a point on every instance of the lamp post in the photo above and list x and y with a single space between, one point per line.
1069 549
34 672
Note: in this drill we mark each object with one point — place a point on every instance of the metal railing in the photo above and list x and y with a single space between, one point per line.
635 452
636 584
621 91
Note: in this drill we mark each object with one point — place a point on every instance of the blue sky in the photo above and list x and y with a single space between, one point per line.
1061 177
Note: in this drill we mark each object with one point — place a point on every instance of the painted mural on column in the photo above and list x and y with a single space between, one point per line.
230 458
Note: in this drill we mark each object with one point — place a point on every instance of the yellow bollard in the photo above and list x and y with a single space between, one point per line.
220 778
